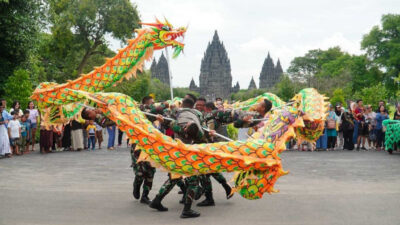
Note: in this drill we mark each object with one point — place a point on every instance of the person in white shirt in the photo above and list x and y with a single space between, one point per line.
14 132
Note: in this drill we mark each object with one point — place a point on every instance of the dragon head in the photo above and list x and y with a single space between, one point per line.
163 34
312 112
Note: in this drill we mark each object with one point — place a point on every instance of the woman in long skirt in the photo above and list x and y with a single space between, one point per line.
46 139
5 149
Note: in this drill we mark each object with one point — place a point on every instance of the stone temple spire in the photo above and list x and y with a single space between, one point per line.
236 88
153 67
160 70
278 70
215 37
267 75
193 86
252 84
215 71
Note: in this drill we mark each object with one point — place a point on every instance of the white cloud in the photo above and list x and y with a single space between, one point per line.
250 29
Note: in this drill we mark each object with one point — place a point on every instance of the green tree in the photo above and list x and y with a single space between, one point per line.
382 44
338 97
243 95
83 25
372 95
20 22
286 88
364 72
18 87
181 92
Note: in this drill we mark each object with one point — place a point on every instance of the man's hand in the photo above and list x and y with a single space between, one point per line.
160 118
212 133
247 118
187 125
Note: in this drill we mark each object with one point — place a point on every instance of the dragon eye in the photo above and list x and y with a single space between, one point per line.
166 28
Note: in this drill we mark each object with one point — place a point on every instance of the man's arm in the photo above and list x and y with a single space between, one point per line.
244 122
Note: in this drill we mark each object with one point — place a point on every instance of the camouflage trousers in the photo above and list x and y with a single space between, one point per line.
205 181
189 186
144 172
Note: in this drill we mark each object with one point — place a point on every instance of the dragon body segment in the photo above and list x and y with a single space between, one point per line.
256 161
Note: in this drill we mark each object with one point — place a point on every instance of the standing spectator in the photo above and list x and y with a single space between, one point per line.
84 133
7 116
16 107
99 134
5 149
77 135
370 122
46 139
331 131
359 123
339 110
33 117
4 104
29 138
396 117
91 133
381 103
24 139
380 133
120 135
322 142
57 132
66 137
348 129
111 136
14 132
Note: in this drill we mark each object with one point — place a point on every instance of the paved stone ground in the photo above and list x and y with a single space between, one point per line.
95 188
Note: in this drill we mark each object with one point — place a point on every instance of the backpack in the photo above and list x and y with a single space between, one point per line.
331 124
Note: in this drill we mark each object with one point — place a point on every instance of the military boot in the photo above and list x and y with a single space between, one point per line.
156 204
145 197
136 187
209 201
228 190
188 212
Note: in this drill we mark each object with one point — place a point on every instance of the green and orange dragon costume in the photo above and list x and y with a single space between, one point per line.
256 161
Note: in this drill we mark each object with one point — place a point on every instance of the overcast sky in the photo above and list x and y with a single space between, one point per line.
251 29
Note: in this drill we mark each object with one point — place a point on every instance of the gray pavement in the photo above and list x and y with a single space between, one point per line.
95 188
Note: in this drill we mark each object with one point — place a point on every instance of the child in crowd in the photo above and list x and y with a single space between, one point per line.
14 132
31 135
24 139
91 133
99 134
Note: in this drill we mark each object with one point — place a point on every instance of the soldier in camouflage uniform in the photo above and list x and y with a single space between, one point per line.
144 174
188 128
214 121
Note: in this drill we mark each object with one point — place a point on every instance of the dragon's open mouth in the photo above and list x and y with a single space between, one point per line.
175 39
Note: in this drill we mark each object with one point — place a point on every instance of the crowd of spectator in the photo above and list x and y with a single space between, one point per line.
18 133
356 127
